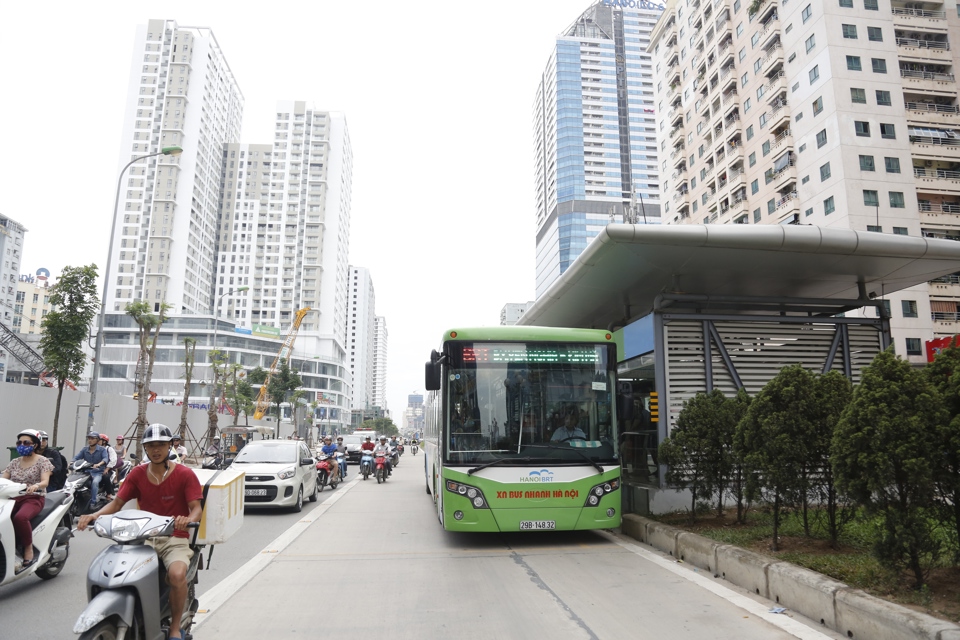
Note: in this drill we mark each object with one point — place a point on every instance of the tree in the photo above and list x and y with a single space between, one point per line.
738 473
382 426
832 393
189 347
699 449
774 437
282 381
881 452
148 327
944 374
75 303
218 365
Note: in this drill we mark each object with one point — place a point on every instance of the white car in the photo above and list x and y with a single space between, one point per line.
279 473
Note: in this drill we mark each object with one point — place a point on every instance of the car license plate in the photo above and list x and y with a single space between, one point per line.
256 492
537 524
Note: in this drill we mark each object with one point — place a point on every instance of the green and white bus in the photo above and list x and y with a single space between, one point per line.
521 429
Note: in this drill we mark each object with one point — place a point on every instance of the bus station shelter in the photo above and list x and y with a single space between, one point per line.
702 307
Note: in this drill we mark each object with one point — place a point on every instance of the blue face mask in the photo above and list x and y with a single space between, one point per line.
24 449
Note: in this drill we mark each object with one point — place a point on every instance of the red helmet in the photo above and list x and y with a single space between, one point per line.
119 438
104 436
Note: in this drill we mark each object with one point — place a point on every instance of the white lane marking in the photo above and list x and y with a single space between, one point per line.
788 624
218 595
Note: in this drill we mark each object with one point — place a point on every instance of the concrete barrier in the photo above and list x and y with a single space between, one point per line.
803 590
851 612
698 551
744 568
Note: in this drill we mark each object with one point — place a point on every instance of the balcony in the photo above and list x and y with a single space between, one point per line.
677 151
736 178
936 180
773 60
928 81
919 19
933 50
779 114
933 113
730 98
788 206
678 130
947 286
785 137
933 143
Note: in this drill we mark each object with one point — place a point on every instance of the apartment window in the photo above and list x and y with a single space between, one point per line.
862 128
866 163
814 73
871 5
739 29
821 138
756 214
874 229
757 65
849 31
754 187
913 344
870 198
883 98
846 4
798 117
771 205
760 91
875 34
824 172
808 212
811 43
749 132
806 13
899 231
888 131
896 200
754 39
744 79
892 165
909 308
879 65
796 85
752 158
858 96
746 105
853 63
763 120
742 54
765 147
828 206
736 6
818 105
804 179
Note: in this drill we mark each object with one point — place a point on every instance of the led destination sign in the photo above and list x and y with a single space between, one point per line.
539 353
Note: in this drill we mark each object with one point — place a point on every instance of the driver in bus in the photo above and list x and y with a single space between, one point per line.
569 429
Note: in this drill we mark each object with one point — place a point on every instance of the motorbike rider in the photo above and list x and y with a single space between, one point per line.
342 449
111 465
384 448
121 451
33 470
330 449
58 475
179 448
98 457
166 488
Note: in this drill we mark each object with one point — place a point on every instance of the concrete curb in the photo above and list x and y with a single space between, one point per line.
851 612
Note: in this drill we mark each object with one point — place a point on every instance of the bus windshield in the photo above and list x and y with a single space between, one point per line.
529 403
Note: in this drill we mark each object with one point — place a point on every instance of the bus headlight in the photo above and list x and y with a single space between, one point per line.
471 493
599 491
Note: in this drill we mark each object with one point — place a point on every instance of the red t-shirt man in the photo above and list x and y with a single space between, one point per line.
169 498
367 446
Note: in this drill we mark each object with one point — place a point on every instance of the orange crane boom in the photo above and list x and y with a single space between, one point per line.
286 350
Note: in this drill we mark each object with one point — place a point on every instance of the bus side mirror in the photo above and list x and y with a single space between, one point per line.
432 376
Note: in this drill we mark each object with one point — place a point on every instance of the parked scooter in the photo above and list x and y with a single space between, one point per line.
381 467
136 600
328 472
78 484
51 534
366 463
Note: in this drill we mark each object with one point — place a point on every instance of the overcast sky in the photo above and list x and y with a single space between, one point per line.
438 98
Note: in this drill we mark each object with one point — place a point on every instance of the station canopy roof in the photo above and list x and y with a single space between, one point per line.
619 275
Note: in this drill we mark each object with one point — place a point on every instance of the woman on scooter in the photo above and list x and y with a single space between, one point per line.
33 470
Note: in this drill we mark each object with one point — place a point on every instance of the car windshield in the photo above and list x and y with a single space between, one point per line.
268 452
352 440
530 403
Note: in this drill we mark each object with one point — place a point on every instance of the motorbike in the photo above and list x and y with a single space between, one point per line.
78 484
414 448
400 449
394 456
366 463
213 459
381 467
51 534
137 601
328 472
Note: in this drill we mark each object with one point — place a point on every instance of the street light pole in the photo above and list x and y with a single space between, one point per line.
211 409
98 345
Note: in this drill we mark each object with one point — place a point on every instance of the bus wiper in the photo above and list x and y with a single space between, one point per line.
577 451
526 460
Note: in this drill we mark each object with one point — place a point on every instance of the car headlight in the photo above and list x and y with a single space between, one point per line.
288 473
471 493
599 491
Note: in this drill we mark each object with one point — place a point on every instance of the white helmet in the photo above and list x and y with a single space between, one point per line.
157 433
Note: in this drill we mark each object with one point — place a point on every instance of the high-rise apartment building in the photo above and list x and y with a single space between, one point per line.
836 113
11 251
594 133
33 302
380 343
511 312
413 418
361 333
182 93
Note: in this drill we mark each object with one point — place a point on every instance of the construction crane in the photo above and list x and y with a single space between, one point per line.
286 350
